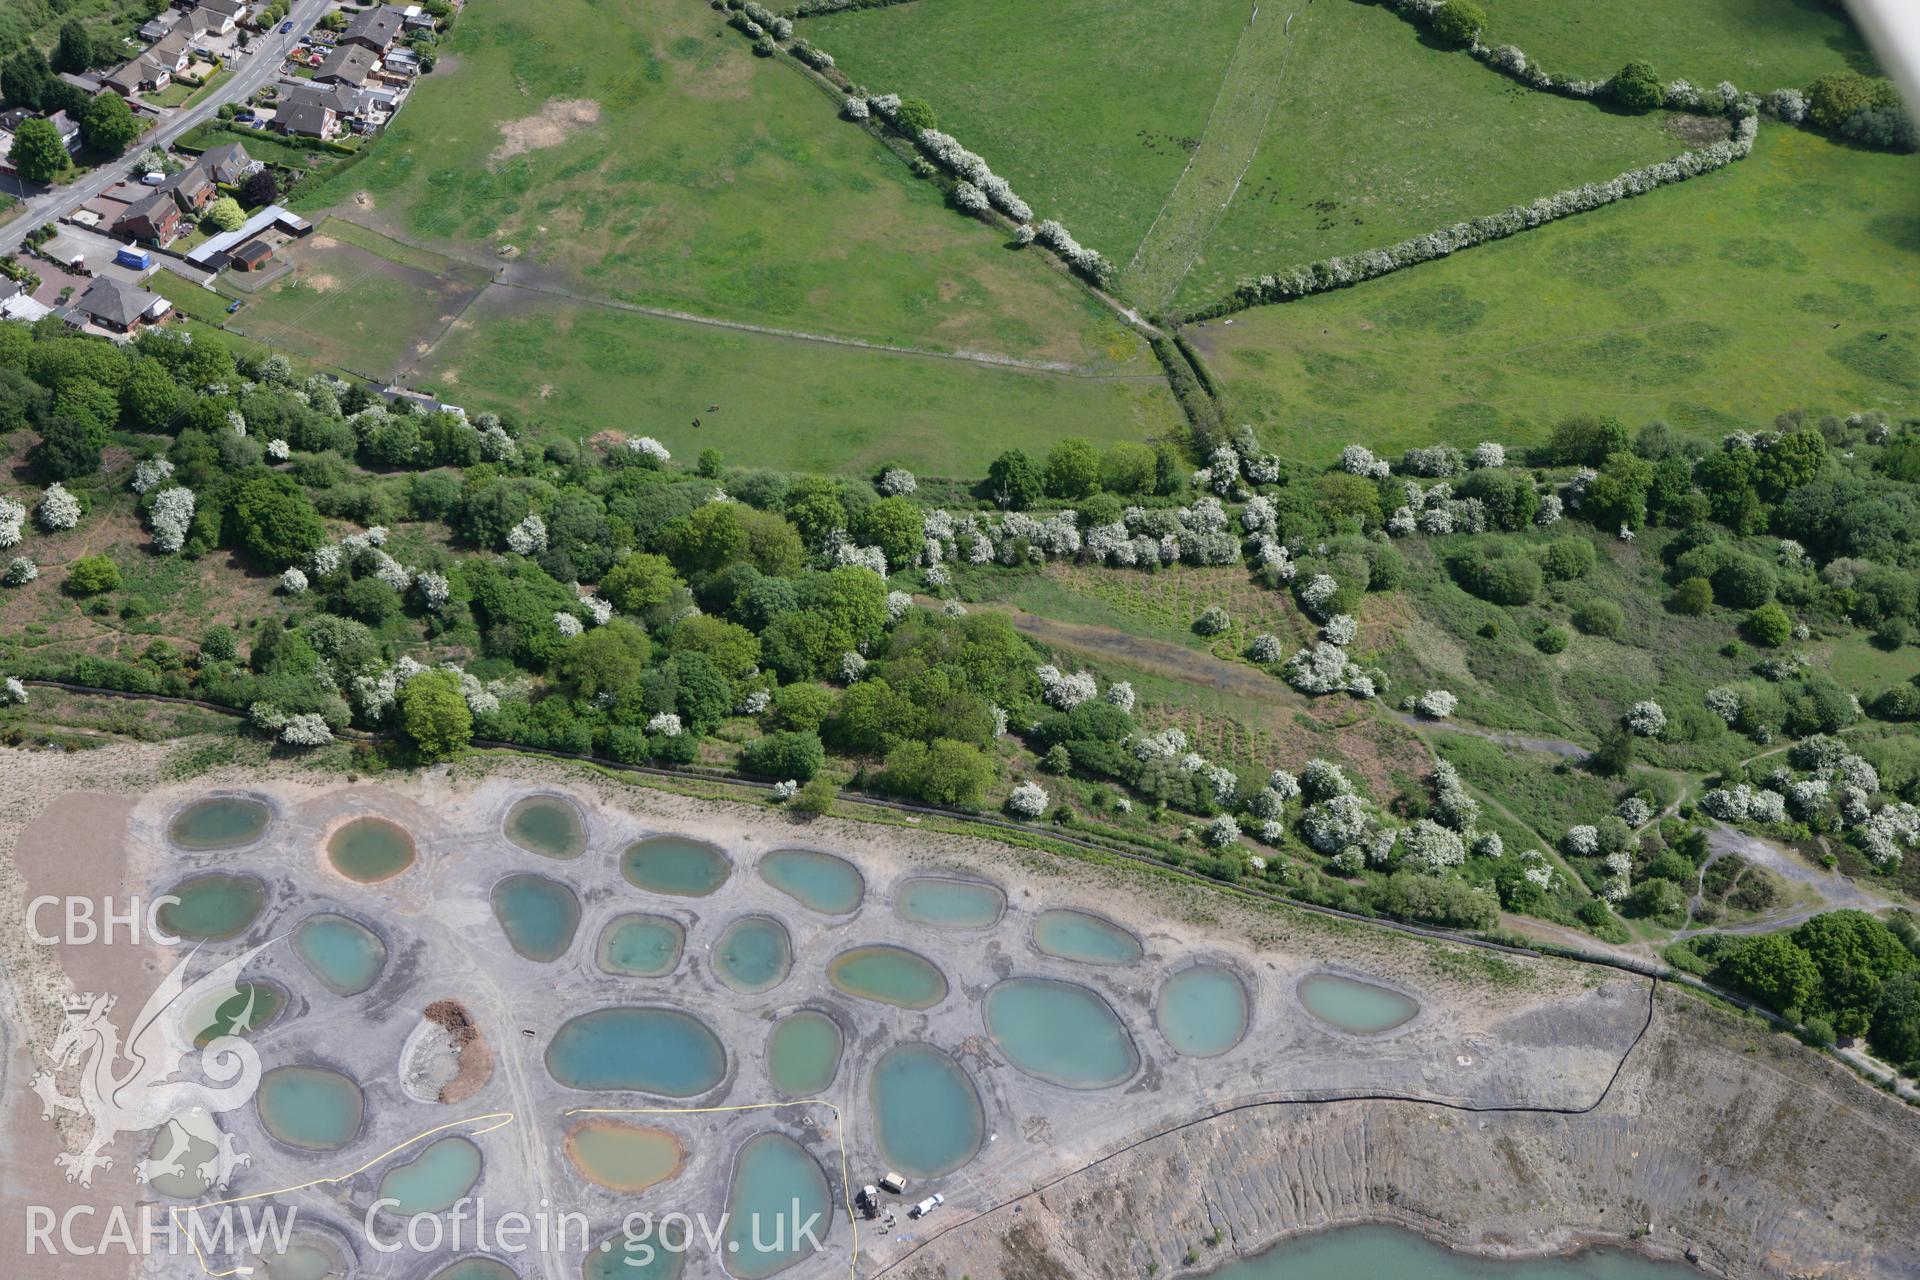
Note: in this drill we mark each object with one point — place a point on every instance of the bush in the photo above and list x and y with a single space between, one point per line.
1599 618
816 798
1501 579
795 754
943 772
1565 559
916 115
1552 640
1459 21
92 576
224 214
1838 96
1693 597
1636 87
434 714
1769 625
1072 470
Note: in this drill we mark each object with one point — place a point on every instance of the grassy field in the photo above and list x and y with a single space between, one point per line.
1760 45
39 21
355 300
1305 163
642 153
1086 106
783 402
1340 170
1790 279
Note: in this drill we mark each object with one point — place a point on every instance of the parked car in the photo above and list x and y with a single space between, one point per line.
285 27
244 117
233 306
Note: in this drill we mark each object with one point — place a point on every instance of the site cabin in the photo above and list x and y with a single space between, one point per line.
138 259
893 1183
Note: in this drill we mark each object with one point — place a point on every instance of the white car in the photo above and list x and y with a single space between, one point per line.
927 1206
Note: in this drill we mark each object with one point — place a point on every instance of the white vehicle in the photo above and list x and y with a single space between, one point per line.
153 178
927 1206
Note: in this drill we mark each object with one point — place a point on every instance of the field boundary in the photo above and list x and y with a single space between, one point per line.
1250 77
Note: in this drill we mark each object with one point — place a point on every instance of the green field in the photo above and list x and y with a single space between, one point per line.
641 152
1340 171
1790 279
783 402
1087 107
39 21
1304 164
1760 45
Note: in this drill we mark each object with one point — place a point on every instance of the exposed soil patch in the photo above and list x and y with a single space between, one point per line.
463 1039
1697 131
551 126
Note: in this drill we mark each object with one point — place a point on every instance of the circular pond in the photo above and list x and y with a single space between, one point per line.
370 850
1354 1006
435 1180
803 1053
476 1269
212 907
890 975
637 1256
776 1186
641 945
926 1113
674 866
624 1157
220 822
1059 1032
548 826
538 915
344 954
1085 939
642 1048
1202 1011
310 1107
944 902
251 1006
307 1257
820 881
753 955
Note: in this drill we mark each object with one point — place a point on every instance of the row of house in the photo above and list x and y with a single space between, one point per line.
159 216
359 79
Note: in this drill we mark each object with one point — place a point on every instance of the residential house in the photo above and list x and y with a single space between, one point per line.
375 29
306 118
69 130
192 188
217 17
229 164
155 219
118 306
156 27
348 64
86 82
153 69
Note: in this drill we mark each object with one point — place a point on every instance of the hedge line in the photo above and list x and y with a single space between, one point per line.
1339 272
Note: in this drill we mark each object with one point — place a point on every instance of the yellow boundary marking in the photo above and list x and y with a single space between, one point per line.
839 1136
505 1118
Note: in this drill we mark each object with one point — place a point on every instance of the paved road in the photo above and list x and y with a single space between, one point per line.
255 69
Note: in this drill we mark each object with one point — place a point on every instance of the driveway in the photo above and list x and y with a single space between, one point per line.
254 70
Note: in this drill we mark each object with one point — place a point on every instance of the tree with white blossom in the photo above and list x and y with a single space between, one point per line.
58 509
1646 718
171 517
20 571
292 581
529 537
1028 800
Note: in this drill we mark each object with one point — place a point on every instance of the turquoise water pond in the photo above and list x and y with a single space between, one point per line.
539 916
1351 1005
433 1181
803 1053
1075 935
548 826
212 907
222 822
621 1257
1202 1011
776 1186
926 1113
306 1260
676 867
1059 1032
753 955
942 902
310 1107
832 886
370 850
890 975
642 1048
1390 1252
641 945
476 1269
344 954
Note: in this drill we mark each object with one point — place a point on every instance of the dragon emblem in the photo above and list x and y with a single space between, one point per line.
132 1086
